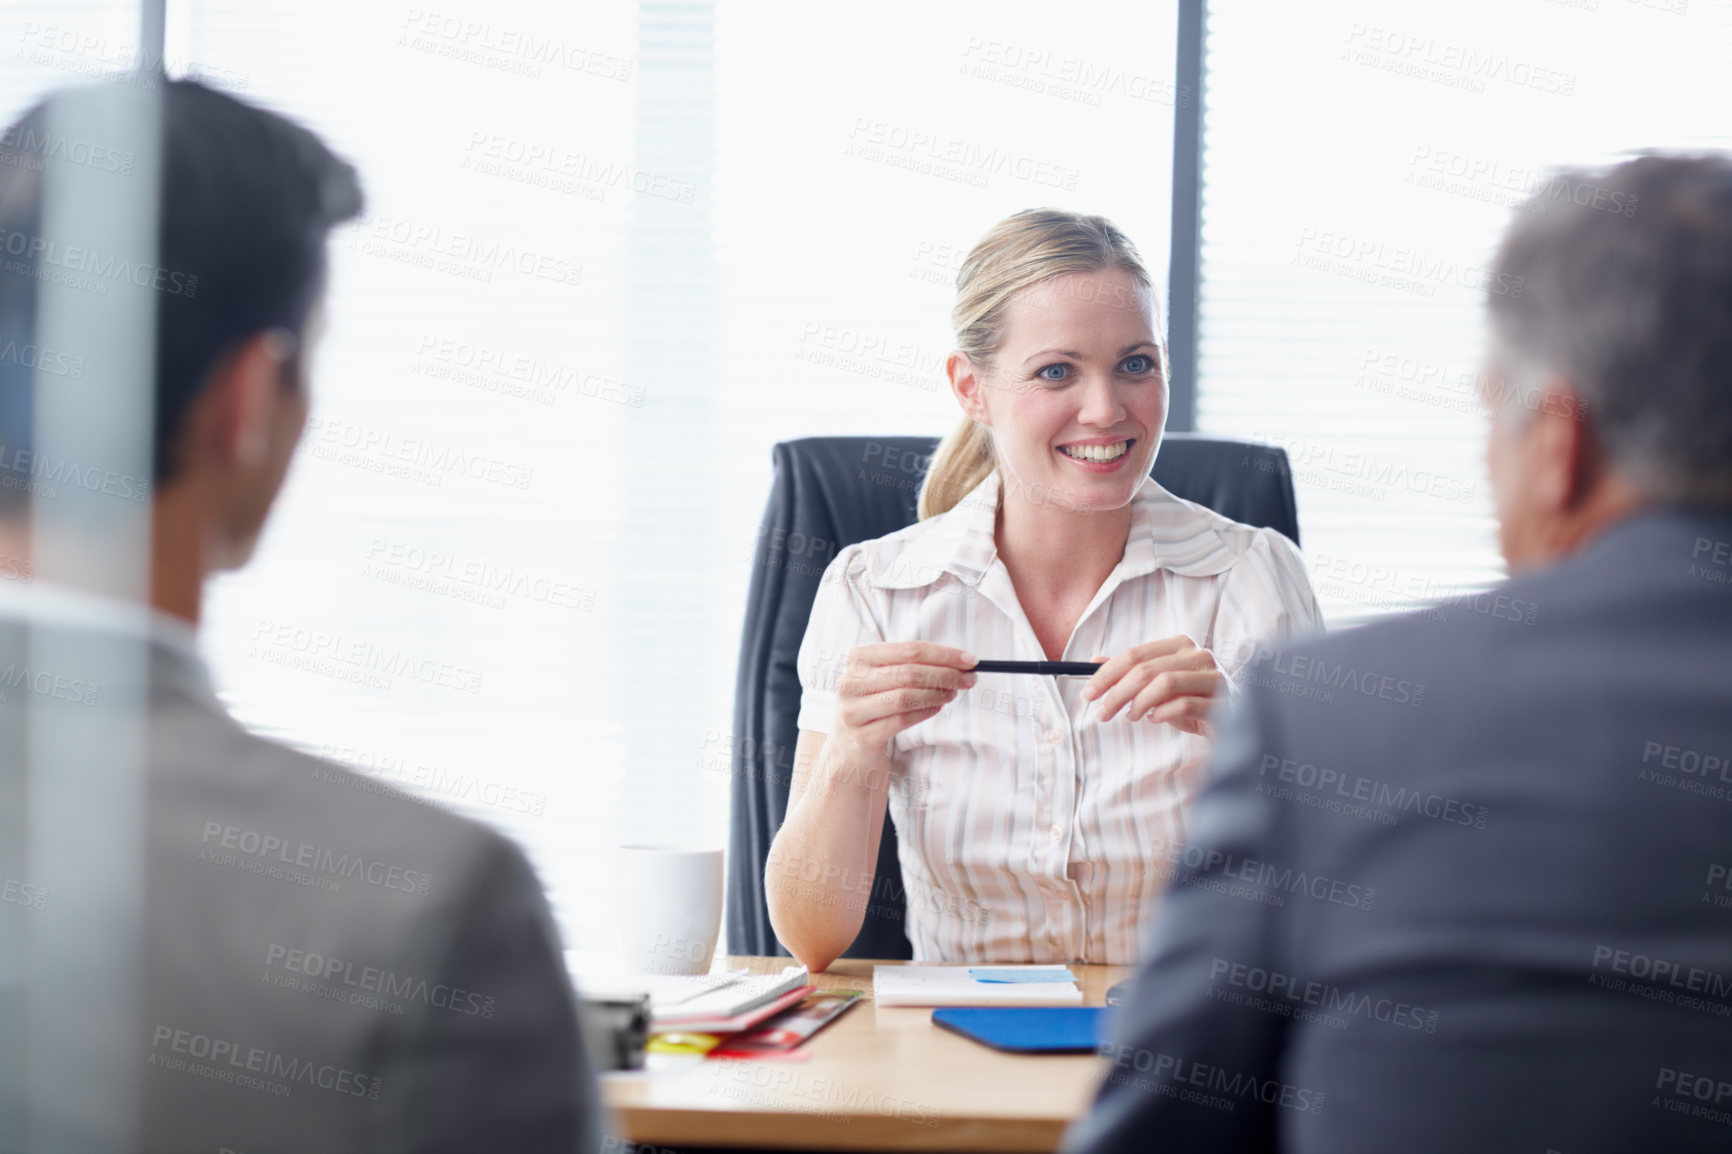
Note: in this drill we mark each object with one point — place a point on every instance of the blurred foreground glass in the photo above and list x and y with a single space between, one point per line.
80 280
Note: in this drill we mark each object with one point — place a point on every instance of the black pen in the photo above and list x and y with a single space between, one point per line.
1049 668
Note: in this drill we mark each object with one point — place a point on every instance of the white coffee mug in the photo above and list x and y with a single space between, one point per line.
669 908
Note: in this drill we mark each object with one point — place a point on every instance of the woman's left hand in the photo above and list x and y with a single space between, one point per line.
1172 680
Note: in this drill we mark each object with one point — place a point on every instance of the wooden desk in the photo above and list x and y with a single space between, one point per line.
878 1079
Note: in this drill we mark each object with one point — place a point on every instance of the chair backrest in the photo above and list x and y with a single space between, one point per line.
828 493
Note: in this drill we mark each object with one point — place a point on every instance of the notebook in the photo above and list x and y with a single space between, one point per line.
1030 1030
960 986
731 1023
725 1001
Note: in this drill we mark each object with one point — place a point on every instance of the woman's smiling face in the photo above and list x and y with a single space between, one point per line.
1077 395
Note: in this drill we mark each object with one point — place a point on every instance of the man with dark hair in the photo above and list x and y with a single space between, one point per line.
1463 880
322 963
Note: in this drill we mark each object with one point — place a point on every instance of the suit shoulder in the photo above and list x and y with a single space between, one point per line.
220 773
1445 631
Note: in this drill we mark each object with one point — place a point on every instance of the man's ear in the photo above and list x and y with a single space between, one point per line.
965 382
243 397
1568 458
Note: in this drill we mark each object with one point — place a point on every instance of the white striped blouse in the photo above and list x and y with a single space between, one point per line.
1028 830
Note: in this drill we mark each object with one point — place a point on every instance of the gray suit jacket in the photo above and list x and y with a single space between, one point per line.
1459 881
322 963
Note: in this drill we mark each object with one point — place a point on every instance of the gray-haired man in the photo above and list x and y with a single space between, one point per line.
1494 914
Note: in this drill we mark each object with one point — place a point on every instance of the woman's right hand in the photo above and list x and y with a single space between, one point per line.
890 686
837 797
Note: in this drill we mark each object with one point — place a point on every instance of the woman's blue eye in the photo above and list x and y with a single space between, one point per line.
1046 373
1139 364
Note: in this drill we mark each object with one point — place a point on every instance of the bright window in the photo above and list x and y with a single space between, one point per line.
1360 163
614 252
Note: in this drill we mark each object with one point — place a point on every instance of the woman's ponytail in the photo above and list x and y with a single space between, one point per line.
961 461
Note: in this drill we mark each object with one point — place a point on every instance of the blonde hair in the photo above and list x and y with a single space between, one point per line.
1018 252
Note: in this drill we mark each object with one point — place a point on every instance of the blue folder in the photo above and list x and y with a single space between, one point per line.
1029 1029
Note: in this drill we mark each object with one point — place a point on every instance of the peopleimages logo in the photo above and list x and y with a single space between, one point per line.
21 893
511 49
22 468
73 258
1455 64
1286 668
475 573
1422 266
364 663
352 982
474 257
938 153
22 140
1704 1096
348 443
1068 77
223 1060
367 772
54 364
267 852
1380 796
1264 881
72 690
1290 995
518 374
822 1097
1214 1086
1660 971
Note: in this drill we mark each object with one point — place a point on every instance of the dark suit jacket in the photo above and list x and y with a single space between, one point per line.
1459 881
322 963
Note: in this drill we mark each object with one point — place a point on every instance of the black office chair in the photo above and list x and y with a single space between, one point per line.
828 493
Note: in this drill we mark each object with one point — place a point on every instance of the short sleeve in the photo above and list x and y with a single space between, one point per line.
1267 601
841 619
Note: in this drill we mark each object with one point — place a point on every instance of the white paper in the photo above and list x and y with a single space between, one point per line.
952 986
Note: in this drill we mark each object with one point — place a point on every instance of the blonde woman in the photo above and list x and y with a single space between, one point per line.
1036 817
